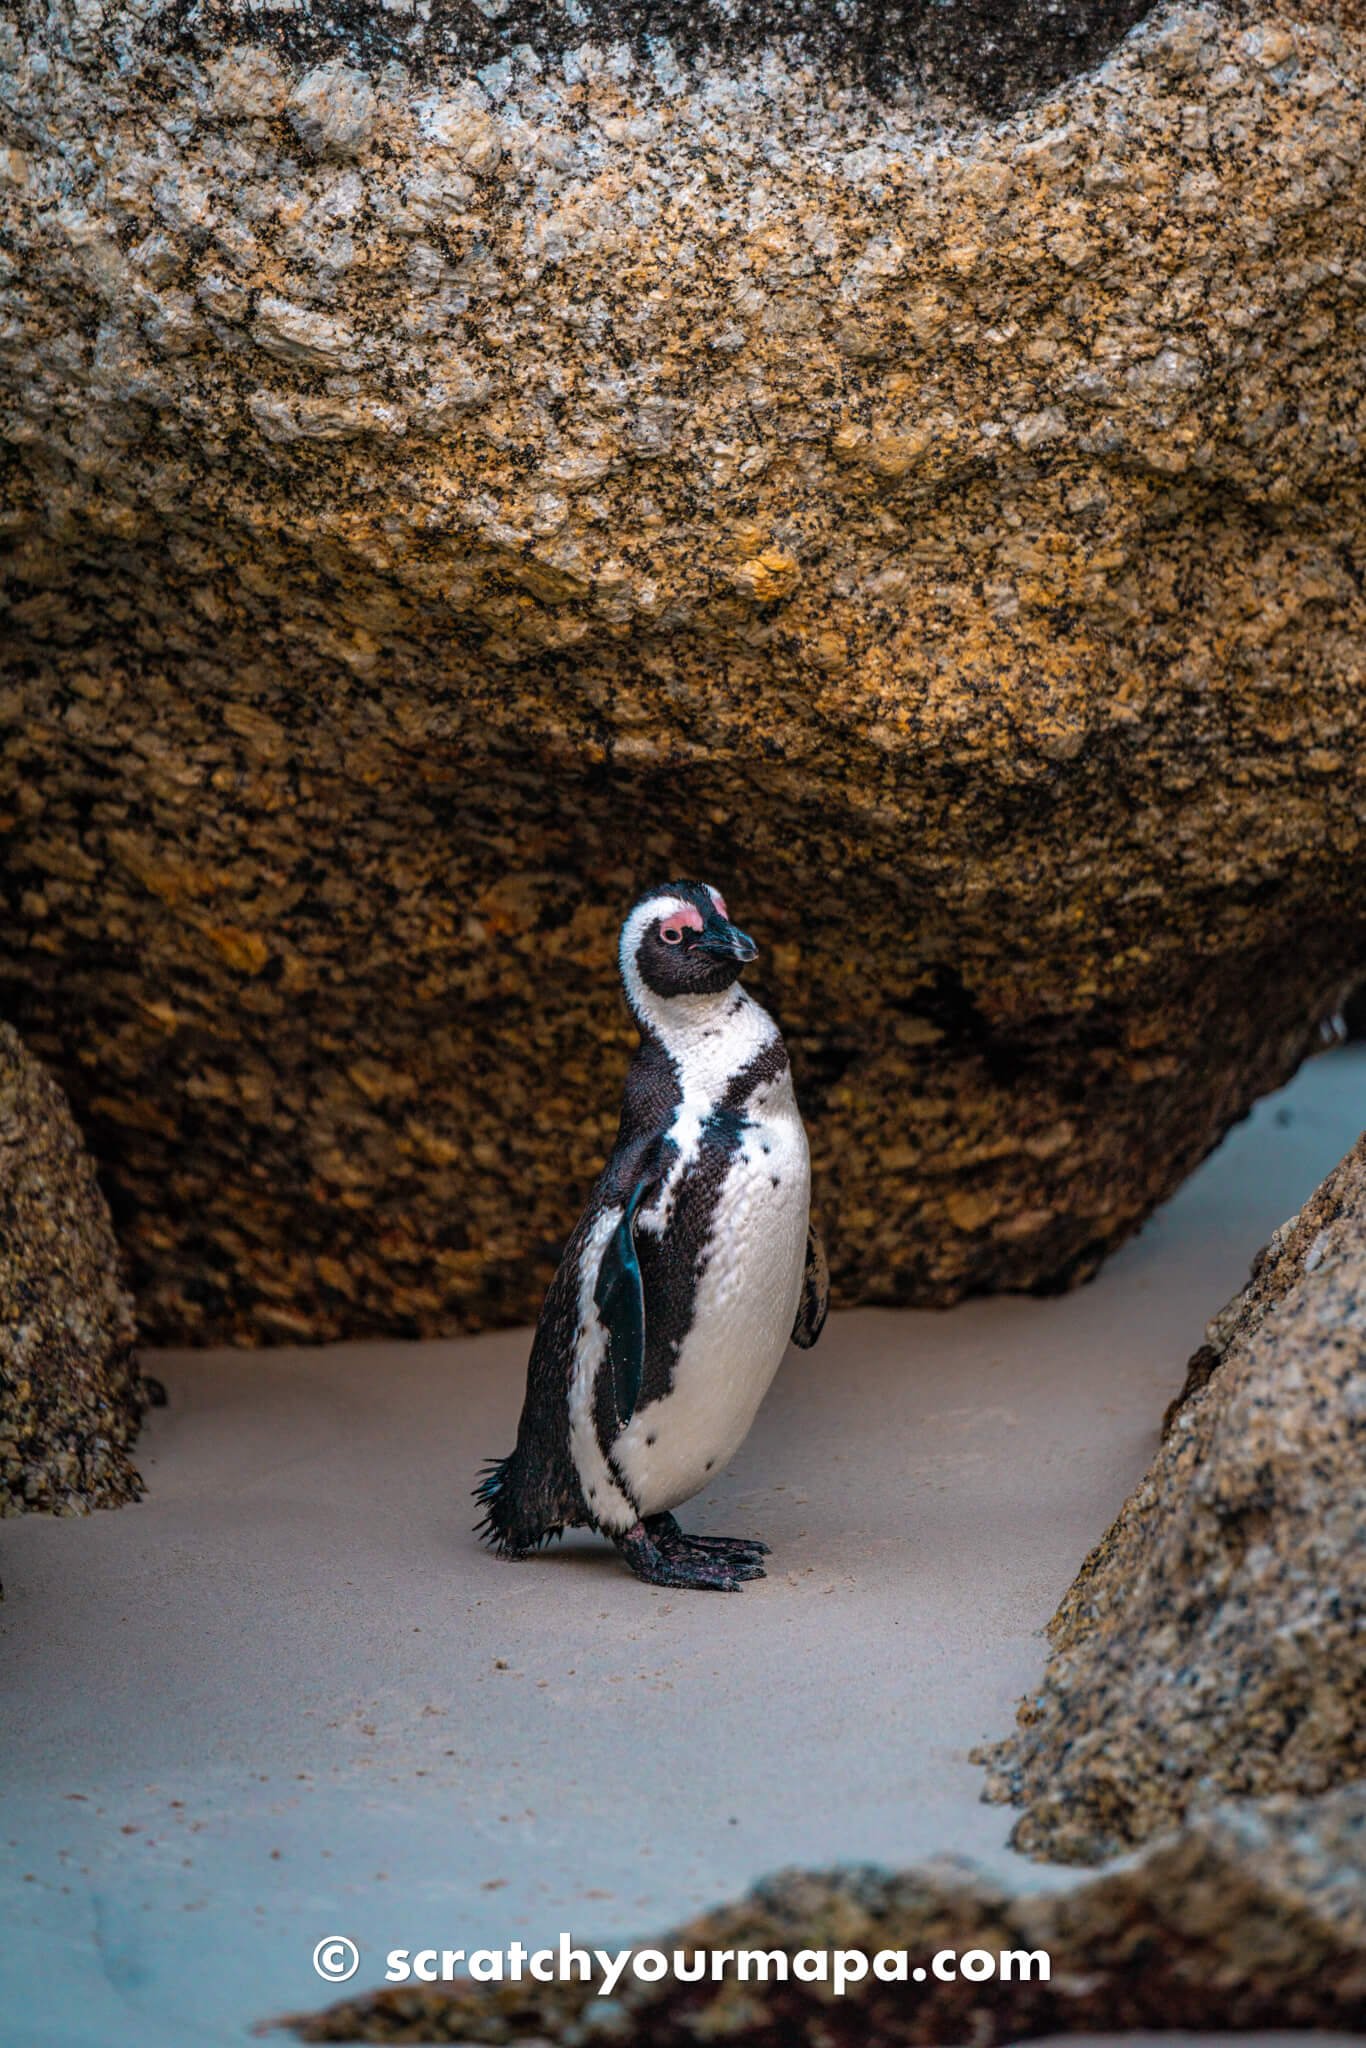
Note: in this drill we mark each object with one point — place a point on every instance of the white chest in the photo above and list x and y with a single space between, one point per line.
743 1312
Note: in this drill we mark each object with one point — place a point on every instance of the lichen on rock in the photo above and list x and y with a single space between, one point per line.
1214 1642
461 470
70 1394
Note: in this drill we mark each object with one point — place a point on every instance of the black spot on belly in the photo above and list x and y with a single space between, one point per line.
649 1439
774 1178
710 1463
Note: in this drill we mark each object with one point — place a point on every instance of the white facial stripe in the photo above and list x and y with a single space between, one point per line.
708 1037
632 932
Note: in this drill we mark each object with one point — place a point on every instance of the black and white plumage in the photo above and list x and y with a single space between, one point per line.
690 1269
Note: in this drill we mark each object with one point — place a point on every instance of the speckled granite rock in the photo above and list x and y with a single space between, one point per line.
70 1395
1253 1916
1215 1640
463 469
1331 1223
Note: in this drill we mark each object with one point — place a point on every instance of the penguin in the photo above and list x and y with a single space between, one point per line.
693 1264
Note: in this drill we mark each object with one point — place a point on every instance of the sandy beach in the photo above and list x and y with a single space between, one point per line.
288 1696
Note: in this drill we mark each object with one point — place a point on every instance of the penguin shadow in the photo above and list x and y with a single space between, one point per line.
581 1555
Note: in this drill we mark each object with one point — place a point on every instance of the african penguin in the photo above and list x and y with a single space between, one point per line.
689 1270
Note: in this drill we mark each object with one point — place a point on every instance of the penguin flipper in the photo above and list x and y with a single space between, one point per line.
814 1305
619 1296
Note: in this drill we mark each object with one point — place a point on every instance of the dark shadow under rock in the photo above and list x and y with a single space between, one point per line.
1354 1013
1253 1916
994 53
1214 1642
70 1394
370 1099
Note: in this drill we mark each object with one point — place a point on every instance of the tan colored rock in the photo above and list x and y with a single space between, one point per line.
1215 1640
70 1395
1250 1917
464 471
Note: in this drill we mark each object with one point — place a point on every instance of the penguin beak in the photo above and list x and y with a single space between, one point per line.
727 942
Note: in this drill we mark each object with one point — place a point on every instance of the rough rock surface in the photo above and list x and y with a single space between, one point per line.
460 471
1215 1640
1252 1916
70 1395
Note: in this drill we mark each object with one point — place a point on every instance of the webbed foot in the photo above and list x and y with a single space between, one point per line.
668 1557
659 1552
666 1533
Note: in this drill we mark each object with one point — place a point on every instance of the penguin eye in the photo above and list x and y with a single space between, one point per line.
671 934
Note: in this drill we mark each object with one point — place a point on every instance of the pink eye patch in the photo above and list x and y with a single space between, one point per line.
718 899
686 919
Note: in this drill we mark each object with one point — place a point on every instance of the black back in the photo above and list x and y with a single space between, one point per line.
538 1485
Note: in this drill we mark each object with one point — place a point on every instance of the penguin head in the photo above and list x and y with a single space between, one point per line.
679 941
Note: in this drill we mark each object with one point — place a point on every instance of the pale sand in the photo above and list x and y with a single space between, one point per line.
268 1704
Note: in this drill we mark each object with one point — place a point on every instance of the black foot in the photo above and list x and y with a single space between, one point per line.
658 1552
664 1530
153 1390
